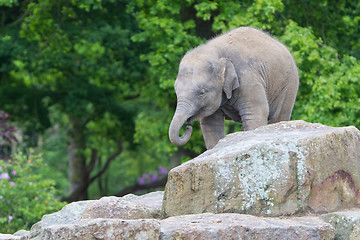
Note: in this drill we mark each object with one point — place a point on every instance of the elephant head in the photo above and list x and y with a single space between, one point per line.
201 81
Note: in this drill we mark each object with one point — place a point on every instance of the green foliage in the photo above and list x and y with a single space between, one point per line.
76 63
329 89
169 38
334 21
25 196
260 14
79 59
8 3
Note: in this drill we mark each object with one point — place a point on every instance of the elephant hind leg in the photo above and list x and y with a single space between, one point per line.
283 107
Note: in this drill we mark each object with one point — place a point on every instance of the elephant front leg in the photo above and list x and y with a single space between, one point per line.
212 128
253 106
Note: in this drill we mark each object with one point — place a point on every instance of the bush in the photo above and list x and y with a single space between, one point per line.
25 196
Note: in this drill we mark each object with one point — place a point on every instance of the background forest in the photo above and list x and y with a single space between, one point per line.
86 88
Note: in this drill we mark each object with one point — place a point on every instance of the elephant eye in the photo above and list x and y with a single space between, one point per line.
202 92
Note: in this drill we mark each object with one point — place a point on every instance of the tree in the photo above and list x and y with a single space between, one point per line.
335 22
77 59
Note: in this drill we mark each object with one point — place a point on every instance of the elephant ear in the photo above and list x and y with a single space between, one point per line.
231 81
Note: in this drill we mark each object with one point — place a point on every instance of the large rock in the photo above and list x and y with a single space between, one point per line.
75 217
69 214
280 169
239 226
9 237
100 228
338 225
128 207
199 226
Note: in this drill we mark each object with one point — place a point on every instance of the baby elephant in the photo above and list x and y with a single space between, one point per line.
244 75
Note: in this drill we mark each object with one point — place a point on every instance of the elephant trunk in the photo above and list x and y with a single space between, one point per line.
177 122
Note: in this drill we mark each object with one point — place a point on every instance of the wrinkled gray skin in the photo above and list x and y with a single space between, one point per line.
244 75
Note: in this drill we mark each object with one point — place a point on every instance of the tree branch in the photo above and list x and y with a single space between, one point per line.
108 161
147 186
131 189
94 157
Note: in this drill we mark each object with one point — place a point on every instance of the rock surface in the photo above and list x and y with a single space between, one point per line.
198 226
338 225
101 229
9 237
346 223
287 168
69 214
127 207
239 226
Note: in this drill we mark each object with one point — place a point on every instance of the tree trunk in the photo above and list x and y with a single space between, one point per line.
203 28
77 172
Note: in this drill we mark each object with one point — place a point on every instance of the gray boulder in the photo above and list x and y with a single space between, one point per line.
101 229
239 226
198 226
285 168
9 237
69 214
79 219
128 207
